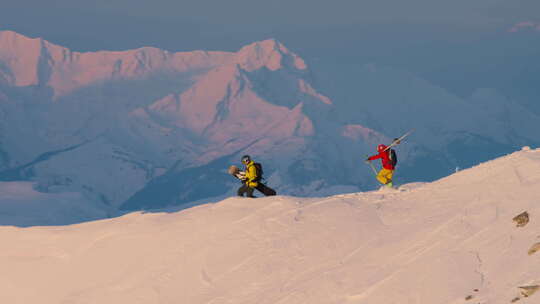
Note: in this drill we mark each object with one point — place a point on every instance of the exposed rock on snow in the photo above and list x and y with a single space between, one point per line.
521 219
528 291
534 248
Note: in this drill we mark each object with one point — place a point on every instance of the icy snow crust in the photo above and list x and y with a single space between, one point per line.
425 244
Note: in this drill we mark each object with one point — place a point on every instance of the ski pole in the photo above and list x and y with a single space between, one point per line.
371 165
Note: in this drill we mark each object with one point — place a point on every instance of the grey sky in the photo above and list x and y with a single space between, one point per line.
299 12
227 24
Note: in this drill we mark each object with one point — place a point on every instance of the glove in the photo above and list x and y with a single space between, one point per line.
241 176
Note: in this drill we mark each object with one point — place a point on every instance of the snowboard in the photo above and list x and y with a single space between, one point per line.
264 189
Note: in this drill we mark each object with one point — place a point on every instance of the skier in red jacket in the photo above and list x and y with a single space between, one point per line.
388 165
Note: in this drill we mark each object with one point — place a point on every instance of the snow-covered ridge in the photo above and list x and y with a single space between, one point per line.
451 241
68 70
34 61
270 54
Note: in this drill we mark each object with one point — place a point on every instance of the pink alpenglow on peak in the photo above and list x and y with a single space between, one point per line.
270 54
358 132
309 90
21 55
34 61
526 25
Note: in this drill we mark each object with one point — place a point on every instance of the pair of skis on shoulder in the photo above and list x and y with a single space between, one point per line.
395 142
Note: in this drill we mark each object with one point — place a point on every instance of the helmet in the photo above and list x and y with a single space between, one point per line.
381 148
246 159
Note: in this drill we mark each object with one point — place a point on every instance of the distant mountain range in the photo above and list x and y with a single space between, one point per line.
148 128
524 26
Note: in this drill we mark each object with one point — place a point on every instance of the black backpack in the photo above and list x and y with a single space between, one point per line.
393 157
258 172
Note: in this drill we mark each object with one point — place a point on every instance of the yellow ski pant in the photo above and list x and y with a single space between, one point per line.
385 176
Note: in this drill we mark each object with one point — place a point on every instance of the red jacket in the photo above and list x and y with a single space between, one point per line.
385 159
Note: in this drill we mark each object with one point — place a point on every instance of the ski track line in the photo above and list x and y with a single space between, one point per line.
308 275
416 252
422 246
479 267
205 278
321 269
298 211
93 243
314 272
230 270
326 201
351 254
279 222
252 214
518 175
290 296
374 286
390 276
218 300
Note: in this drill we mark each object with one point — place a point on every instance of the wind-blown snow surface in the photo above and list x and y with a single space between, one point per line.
426 244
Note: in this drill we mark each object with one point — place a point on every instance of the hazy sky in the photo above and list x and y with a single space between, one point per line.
228 24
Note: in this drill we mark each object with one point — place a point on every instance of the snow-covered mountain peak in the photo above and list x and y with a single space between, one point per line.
28 61
24 61
270 54
525 26
8 37
18 48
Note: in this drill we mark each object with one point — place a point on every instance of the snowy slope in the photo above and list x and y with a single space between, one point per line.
433 243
